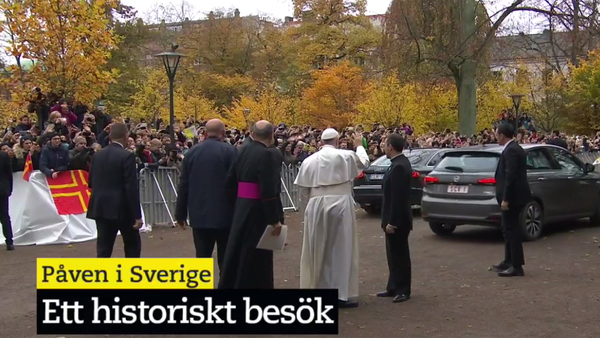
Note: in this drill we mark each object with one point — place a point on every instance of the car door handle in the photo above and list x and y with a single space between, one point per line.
570 177
541 178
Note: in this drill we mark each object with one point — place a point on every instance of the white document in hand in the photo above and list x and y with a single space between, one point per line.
270 242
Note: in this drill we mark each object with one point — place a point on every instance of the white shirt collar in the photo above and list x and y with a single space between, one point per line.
506 144
391 159
122 146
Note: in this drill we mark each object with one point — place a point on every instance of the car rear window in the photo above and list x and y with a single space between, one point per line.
414 157
468 162
382 161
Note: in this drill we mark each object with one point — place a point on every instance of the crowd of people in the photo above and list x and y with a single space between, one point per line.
76 132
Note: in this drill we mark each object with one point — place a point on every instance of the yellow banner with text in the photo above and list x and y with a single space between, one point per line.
125 273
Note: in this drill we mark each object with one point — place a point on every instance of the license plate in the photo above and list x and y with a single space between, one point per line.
377 177
458 189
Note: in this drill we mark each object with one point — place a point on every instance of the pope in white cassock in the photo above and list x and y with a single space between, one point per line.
330 247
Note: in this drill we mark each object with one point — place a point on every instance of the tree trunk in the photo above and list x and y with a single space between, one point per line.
575 34
467 99
465 81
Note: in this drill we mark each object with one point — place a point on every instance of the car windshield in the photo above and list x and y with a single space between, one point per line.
414 157
468 162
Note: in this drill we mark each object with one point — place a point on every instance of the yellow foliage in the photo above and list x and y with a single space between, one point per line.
432 107
192 104
10 109
425 107
494 96
69 42
223 90
151 100
333 98
385 103
269 105
584 95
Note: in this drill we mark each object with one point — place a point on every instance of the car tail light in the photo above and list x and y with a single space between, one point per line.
490 181
360 176
415 174
430 180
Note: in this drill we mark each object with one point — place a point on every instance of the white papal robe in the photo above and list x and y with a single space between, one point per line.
330 246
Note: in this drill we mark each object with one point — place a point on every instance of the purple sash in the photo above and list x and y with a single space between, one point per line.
248 190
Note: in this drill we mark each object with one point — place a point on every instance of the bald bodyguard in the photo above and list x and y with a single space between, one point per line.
200 194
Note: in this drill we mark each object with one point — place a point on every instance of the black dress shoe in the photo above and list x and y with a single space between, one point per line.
512 272
386 294
10 247
347 304
500 267
401 298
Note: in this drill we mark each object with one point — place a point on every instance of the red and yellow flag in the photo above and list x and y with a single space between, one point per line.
70 192
28 168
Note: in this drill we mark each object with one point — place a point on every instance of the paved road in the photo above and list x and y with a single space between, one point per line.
454 294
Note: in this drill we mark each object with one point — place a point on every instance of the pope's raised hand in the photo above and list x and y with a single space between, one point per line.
358 139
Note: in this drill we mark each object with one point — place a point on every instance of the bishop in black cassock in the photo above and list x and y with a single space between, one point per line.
251 184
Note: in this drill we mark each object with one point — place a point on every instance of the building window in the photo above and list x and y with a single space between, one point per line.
174 28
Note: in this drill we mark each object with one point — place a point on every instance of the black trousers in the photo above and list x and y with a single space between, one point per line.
204 241
398 257
107 234
513 242
5 220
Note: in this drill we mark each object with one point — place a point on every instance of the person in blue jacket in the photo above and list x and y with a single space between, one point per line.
54 158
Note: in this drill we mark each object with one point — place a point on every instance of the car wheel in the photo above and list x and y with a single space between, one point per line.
442 229
371 210
532 221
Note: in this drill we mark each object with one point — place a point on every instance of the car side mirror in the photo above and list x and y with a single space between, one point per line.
588 168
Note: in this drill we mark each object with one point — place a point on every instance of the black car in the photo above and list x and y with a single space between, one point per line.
367 186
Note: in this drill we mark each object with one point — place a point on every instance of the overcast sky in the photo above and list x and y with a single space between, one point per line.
277 9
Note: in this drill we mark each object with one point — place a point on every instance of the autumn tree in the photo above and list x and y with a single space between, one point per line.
385 102
151 99
332 30
333 98
268 105
125 59
584 96
225 43
170 12
70 42
457 38
12 27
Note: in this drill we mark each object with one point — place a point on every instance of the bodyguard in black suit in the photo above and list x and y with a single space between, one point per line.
6 188
202 192
513 194
115 199
396 220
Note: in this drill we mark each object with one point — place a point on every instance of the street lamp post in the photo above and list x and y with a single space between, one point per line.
516 98
171 62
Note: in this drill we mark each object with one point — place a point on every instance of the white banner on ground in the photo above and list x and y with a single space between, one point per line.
35 220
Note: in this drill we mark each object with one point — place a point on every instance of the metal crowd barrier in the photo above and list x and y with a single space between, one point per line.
589 157
158 190
290 196
158 194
